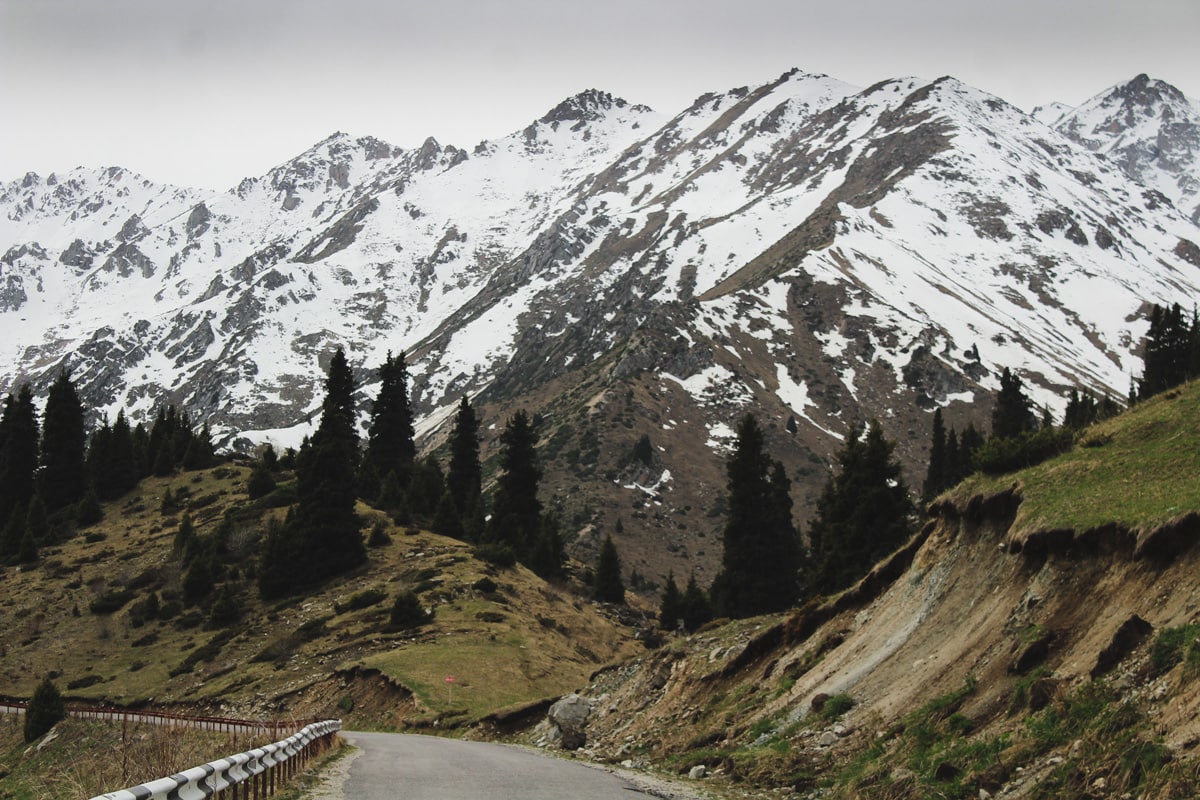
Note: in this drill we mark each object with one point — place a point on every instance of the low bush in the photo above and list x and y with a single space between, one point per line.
999 456
360 600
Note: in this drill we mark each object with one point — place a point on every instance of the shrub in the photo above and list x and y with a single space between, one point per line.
378 536
837 705
260 483
46 708
225 609
145 610
364 599
501 555
999 456
407 612
111 601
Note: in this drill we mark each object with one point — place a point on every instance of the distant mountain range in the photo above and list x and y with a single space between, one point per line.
804 249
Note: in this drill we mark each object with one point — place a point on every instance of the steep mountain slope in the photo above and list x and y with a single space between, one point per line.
1037 639
813 252
1149 129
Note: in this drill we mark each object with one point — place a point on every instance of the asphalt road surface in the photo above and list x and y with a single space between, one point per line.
394 766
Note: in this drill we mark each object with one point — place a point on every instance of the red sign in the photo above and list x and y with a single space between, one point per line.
450 679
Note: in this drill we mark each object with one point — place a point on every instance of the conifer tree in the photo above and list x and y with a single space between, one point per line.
446 521
1013 413
1168 353
13 535
390 446
863 513
762 554
198 454
322 536
62 479
696 607
111 462
608 586
425 488
464 478
88 512
37 526
970 441
18 452
46 709
516 510
937 475
547 554
670 611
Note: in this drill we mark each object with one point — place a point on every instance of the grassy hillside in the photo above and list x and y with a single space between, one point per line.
1140 469
508 639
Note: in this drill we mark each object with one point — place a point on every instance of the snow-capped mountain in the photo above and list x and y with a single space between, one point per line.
808 250
1146 127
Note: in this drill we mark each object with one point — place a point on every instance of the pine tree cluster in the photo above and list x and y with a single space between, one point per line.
1172 353
53 478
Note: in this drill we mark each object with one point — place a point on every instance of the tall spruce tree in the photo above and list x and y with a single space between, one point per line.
696 606
18 452
937 475
863 513
62 479
322 537
670 611
1013 413
608 587
390 446
762 555
464 478
516 510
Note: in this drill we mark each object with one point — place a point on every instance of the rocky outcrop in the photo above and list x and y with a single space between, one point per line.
568 722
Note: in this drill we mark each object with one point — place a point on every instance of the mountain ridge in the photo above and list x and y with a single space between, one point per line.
813 251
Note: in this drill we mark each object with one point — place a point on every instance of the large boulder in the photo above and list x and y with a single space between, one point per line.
570 715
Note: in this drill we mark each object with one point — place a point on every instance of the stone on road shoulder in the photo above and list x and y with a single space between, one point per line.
387 766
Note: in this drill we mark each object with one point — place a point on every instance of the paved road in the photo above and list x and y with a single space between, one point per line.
394 766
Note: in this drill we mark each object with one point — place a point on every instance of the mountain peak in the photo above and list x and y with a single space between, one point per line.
587 106
1145 92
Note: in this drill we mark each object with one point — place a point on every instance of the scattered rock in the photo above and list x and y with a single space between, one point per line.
827 739
698 772
570 715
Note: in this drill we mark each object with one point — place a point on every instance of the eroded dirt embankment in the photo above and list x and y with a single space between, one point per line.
967 600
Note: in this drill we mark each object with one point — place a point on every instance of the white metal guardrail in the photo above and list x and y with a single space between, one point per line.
254 774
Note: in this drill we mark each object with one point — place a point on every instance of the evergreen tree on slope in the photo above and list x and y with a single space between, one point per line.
63 476
18 452
516 510
390 446
863 513
762 554
321 537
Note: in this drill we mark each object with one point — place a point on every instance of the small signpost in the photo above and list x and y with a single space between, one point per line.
450 679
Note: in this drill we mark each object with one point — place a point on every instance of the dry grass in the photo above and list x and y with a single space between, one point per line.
88 758
525 641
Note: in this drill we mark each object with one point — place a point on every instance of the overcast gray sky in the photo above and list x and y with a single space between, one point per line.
205 92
